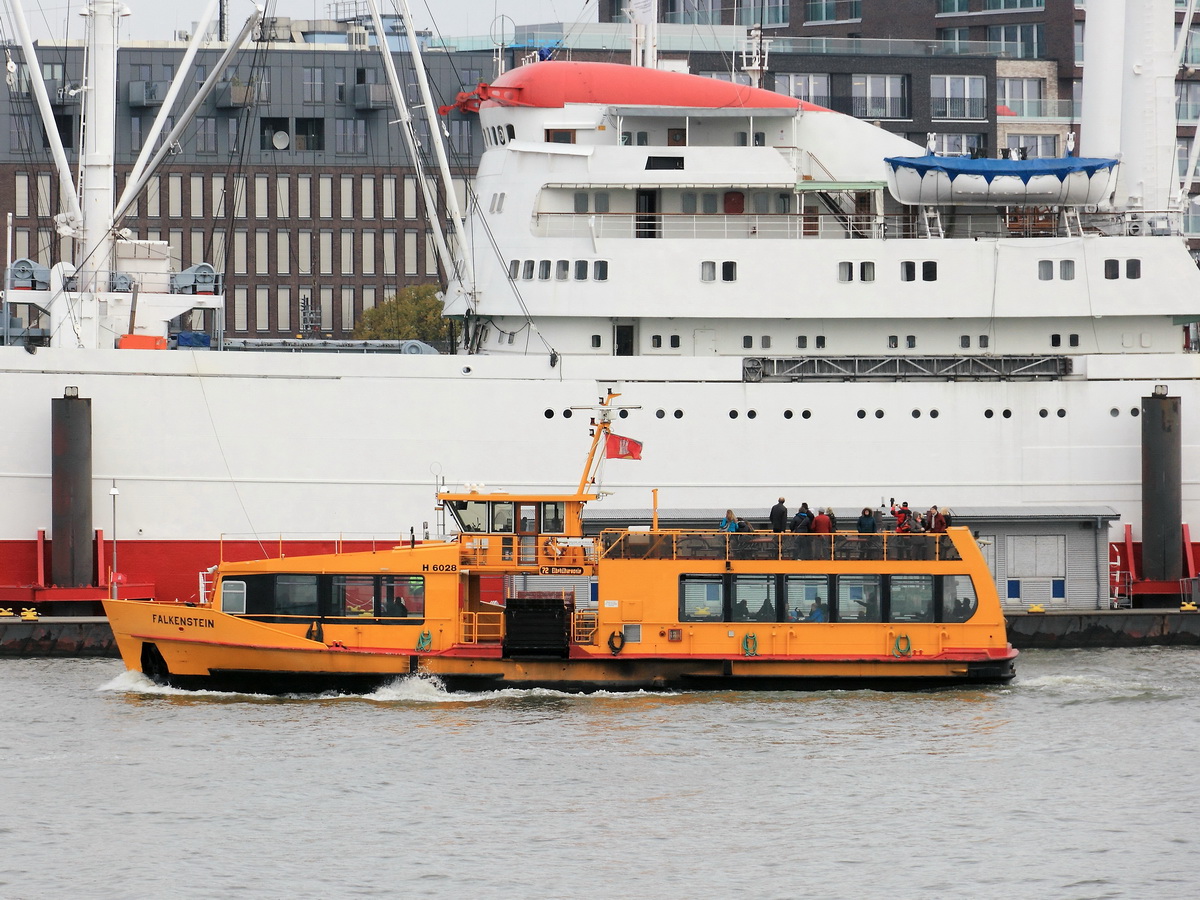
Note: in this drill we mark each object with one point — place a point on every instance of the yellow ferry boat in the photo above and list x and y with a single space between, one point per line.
674 609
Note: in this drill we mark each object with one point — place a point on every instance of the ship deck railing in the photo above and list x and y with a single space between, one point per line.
989 222
764 545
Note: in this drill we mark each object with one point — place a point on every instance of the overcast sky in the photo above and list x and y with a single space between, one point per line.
158 20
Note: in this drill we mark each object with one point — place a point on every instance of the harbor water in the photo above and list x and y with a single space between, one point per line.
1078 780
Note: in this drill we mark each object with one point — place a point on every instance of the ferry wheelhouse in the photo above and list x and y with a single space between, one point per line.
661 609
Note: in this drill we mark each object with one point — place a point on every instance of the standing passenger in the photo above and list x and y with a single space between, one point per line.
866 522
779 517
729 523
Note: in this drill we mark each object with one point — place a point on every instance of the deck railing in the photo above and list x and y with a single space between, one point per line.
762 545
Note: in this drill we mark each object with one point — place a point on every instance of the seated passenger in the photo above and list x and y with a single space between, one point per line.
741 611
818 613
766 612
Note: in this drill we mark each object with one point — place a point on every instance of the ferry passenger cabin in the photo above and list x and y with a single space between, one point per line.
674 610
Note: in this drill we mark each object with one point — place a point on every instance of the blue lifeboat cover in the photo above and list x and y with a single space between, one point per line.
953 166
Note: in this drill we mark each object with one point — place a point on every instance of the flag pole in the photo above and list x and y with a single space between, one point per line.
601 426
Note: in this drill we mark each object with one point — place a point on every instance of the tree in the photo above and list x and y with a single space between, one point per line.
413 314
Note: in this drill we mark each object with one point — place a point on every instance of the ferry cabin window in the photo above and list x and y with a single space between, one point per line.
233 597
911 598
643 138
747 342
893 341
600 270
560 135
845 272
1045 270
296 595
1074 340
729 271
866 271
741 138
656 341
929 270
908 270
626 138
544 270
1066 269
472 515
527 270
958 598
984 340
708 204
675 341
708 270
1056 340
753 598
858 599
596 341
353 595
766 342
802 342
820 342
910 341
581 201
1133 268
600 202
1112 269
581 270
562 270
801 593
701 598
512 133
687 203
664 162
965 342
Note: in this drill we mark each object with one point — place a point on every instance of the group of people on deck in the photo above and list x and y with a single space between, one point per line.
824 521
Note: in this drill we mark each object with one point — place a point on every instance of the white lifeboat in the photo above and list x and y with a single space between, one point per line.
954 180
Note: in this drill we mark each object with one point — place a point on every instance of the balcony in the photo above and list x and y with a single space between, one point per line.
1036 109
147 93
372 96
958 107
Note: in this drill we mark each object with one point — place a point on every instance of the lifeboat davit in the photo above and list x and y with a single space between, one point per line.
954 180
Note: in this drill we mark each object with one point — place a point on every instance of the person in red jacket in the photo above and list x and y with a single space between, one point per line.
821 525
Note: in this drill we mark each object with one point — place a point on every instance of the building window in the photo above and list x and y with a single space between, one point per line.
959 144
310 134
206 134
879 96
1032 146
762 12
1014 4
958 96
813 88
1020 96
350 136
952 6
820 11
313 85
1020 41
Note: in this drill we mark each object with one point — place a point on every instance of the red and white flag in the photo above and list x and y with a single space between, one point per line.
617 447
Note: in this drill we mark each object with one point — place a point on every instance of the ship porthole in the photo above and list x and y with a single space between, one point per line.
549 414
879 413
1043 413
466 370
1007 414
862 413
679 413
807 414
933 414
987 413
916 414
752 414
1062 413
1114 412
1135 412
659 414
733 414
624 414
566 414
787 413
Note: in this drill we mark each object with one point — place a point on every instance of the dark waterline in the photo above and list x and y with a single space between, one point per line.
1074 781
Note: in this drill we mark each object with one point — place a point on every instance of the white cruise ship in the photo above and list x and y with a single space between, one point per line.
788 300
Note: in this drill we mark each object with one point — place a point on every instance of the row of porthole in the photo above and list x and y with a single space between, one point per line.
862 413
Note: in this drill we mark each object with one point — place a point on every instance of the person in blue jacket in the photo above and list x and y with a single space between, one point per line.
730 522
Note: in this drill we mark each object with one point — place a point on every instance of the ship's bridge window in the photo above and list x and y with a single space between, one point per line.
472 515
502 516
296 595
560 135
233 597
701 598
553 517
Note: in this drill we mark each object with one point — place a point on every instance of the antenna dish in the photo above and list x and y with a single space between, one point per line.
280 140
504 31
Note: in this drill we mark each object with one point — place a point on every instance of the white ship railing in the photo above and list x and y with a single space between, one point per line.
1010 222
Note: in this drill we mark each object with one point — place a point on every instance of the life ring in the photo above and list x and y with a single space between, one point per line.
750 645
902 646
616 642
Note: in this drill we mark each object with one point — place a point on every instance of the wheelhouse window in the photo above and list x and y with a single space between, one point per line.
472 515
233 597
